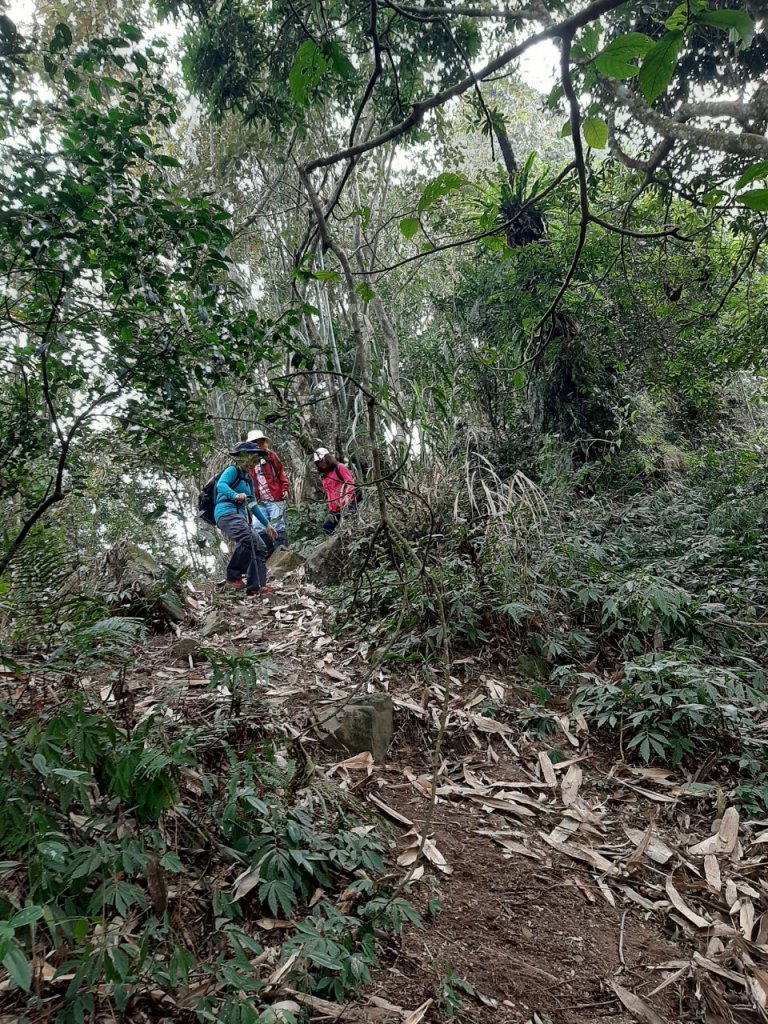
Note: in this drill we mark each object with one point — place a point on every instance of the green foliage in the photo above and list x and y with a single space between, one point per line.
450 990
118 276
103 823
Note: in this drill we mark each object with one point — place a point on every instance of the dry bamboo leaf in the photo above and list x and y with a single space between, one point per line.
434 856
640 1010
680 905
747 917
514 847
489 725
282 969
244 882
642 845
725 839
418 1014
656 850
658 798
269 924
607 894
547 771
762 930
408 857
569 787
731 892
716 968
508 806
712 872
658 775
759 985
390 811
564 830
582 853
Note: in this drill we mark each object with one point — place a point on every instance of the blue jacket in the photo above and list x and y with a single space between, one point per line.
231 483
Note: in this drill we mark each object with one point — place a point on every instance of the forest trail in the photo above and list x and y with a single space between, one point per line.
559 885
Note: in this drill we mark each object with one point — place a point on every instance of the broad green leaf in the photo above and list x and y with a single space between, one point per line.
736 21
40 764
678 19
26 916
409 226
338 60
614 61
309 66
595 132
565 131
62 37
757 199
18 968
753 173
441 186
130 31
365 292
326 275
659 66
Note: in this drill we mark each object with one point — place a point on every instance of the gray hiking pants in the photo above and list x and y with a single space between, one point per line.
249 556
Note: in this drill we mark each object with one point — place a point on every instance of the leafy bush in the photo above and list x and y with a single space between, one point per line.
108 835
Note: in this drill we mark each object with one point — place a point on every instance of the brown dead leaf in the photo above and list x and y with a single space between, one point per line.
712 872
655 849
547 770
334 673
725 839
639 1009
418 1014
582 853
390 811
682 907
512 846
569 787
747 917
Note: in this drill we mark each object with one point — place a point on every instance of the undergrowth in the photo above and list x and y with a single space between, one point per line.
648 614
169 865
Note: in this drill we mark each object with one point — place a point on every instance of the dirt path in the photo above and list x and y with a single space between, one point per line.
557 887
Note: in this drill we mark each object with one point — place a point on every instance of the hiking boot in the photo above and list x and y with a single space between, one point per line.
259 591
236 584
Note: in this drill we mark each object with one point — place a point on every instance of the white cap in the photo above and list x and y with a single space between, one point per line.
320 454
257 434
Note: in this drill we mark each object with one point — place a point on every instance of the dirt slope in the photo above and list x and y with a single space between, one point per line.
557 886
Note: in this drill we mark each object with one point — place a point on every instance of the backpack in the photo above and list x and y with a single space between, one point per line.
206 499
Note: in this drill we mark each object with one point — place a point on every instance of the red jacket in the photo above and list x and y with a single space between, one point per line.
339 486
274 474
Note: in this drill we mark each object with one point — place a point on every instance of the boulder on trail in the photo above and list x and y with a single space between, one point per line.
357 724
134 583
283 561
324 563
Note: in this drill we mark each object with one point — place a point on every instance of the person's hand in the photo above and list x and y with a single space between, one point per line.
272 533
240 498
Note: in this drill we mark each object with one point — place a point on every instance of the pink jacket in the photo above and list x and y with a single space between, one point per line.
339 486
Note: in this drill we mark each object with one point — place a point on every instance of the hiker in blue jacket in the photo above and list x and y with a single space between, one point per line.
235 503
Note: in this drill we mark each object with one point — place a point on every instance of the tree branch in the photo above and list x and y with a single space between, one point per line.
565 29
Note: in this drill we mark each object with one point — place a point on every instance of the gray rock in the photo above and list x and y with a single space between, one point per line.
283 561
361 723
214 623
184 648
324 563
